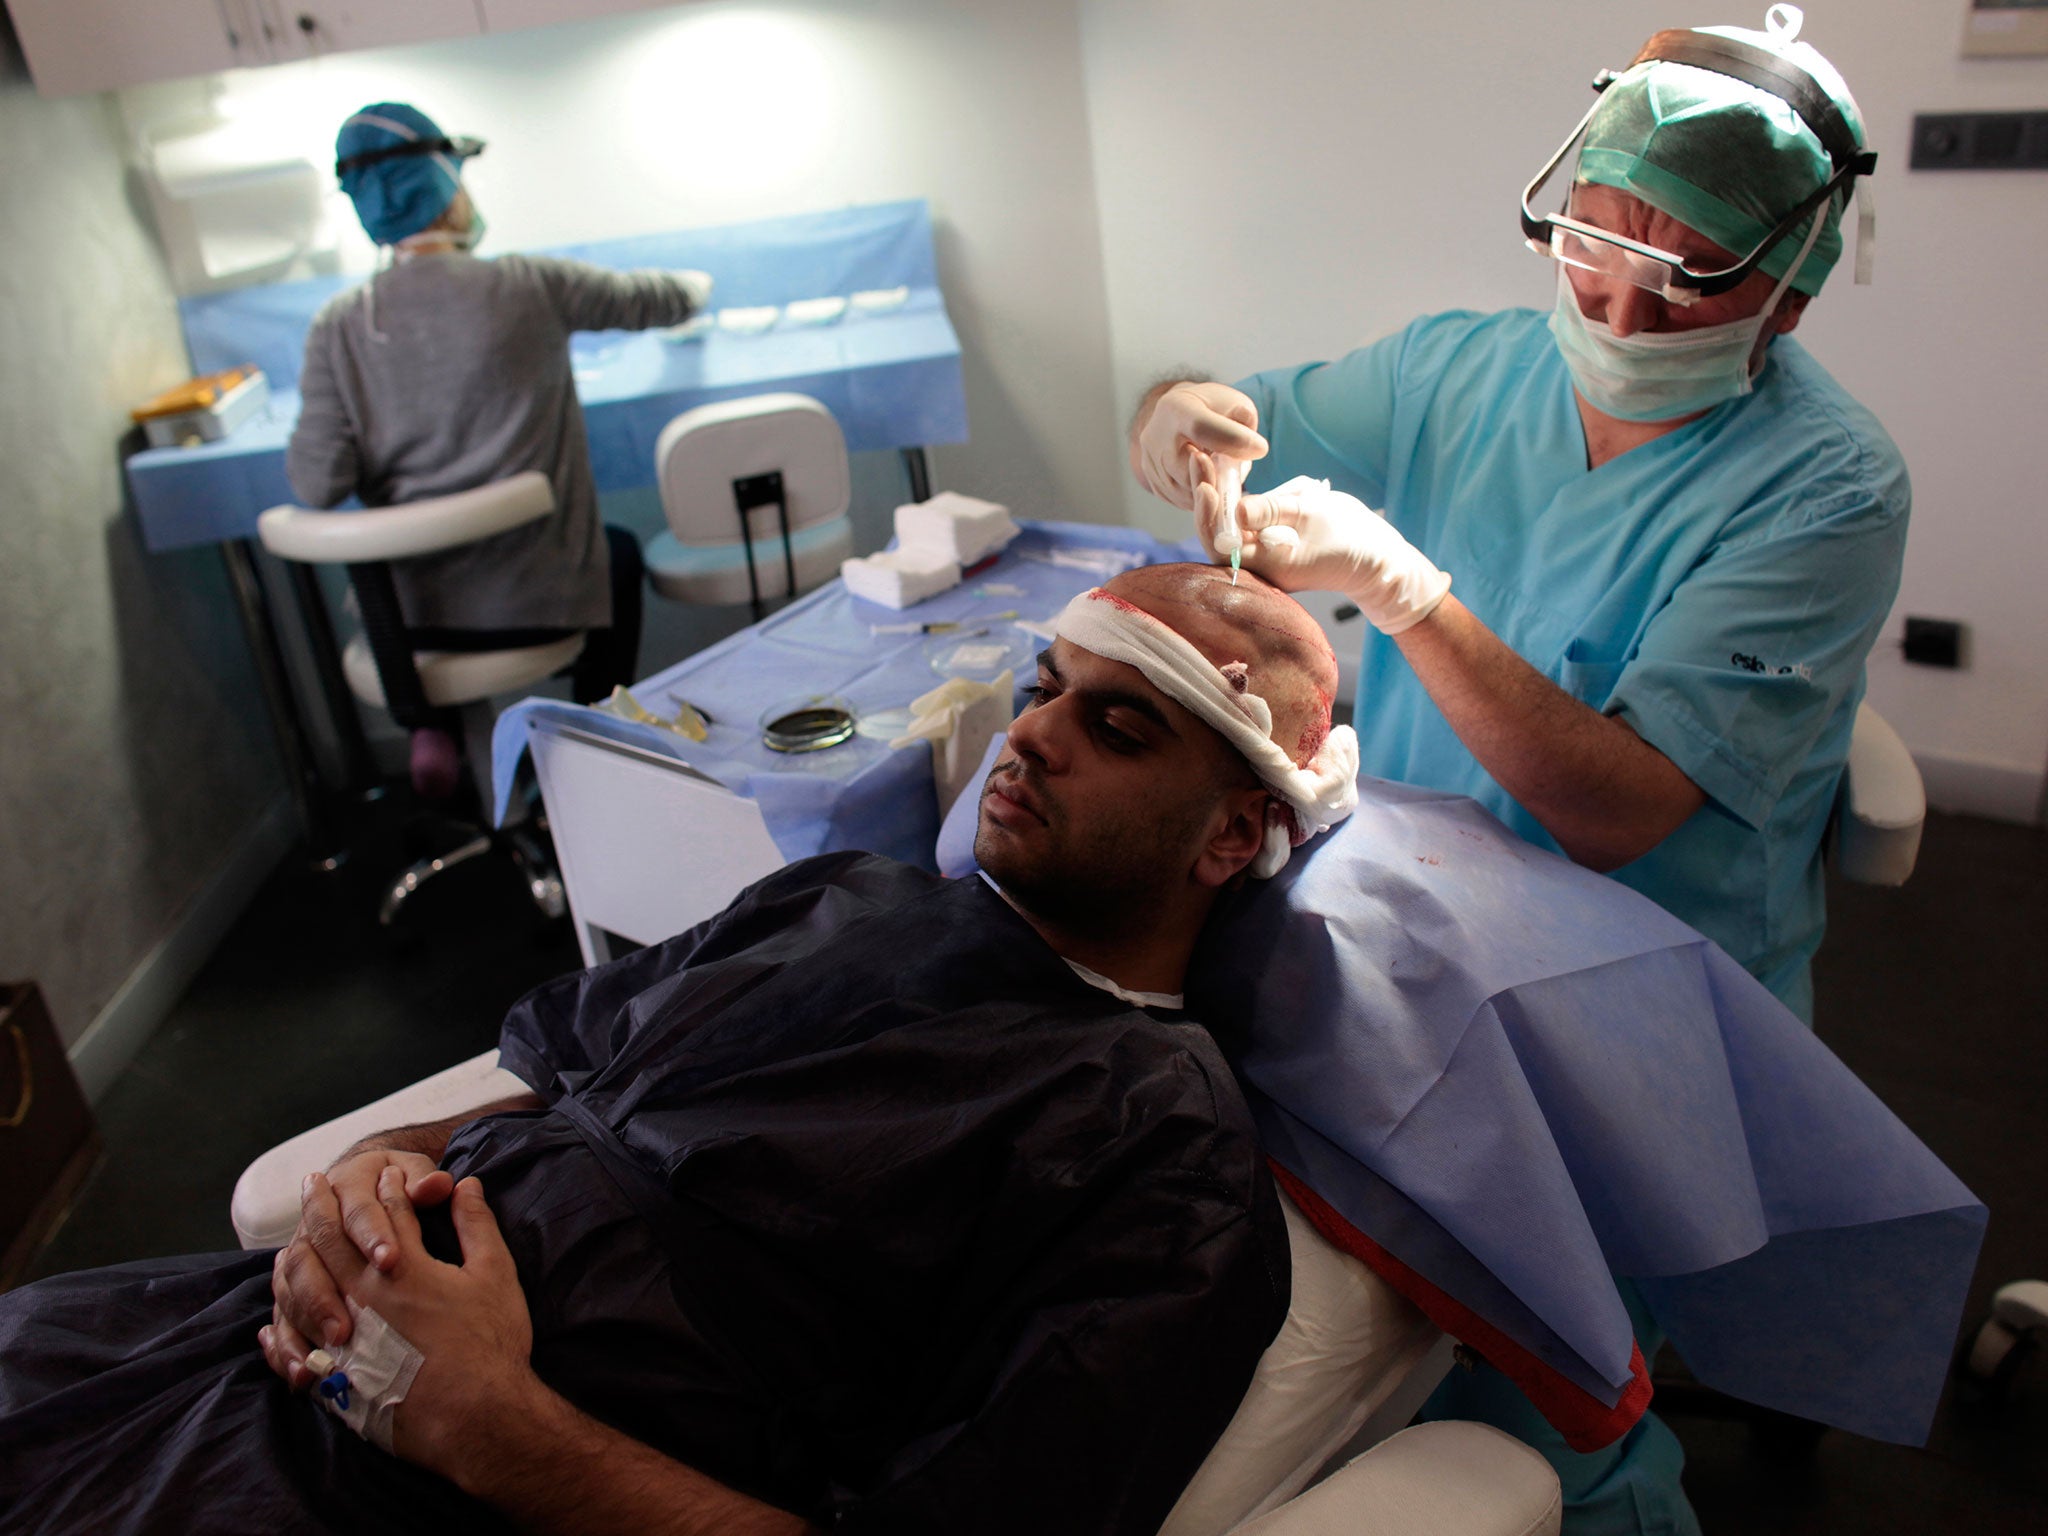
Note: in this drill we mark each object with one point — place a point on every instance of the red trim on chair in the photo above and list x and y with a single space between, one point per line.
1585 1422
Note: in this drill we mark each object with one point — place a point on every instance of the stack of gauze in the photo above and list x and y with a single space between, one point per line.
935 541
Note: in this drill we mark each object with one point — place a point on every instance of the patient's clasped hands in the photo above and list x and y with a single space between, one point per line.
308 1307
468 1321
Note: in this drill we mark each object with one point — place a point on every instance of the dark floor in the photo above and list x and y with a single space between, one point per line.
1934 994
309 1009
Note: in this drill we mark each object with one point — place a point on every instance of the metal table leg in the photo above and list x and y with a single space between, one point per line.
359 769
301 775
920 474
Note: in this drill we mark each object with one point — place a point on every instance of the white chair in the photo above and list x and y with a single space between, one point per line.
756 493
430 688
2014 1332
1880 807
1448 1478
608 803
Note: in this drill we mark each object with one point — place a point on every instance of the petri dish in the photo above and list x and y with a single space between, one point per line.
883 724
808 725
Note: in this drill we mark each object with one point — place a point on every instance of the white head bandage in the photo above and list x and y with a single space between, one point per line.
1316 797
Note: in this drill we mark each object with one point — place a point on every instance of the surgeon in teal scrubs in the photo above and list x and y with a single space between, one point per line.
1624 560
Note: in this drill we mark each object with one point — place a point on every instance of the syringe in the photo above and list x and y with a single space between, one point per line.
1230 475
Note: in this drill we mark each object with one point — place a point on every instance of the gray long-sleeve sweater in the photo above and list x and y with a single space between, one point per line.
446 372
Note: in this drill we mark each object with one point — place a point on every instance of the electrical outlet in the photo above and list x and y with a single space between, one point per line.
1934 642
1980 141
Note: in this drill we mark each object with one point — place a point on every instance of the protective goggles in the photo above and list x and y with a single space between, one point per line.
1593 249
461 146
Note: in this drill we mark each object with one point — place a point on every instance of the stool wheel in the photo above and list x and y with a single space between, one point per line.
1996 1354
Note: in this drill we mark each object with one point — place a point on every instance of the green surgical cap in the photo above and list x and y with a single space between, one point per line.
1721 156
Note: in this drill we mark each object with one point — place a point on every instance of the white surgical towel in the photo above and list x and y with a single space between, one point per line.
747 321
962 528
899 577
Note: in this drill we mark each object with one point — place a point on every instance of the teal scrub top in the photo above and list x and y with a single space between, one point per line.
1718 588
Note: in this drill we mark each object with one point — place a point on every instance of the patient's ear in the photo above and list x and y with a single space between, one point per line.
1238 834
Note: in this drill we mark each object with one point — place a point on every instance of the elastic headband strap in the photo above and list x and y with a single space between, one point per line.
1316 797
461 149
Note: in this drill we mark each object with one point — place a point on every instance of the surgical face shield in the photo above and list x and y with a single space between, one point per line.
1744 141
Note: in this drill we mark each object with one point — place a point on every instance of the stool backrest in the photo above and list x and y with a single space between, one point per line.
368 541
1874 838
416 528
704 453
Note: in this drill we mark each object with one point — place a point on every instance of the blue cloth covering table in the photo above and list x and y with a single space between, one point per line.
860 794
892 379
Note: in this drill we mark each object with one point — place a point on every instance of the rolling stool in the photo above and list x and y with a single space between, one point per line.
433 689
755 492
2015 1330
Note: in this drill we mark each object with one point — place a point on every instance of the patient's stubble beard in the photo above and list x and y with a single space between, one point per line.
1102 881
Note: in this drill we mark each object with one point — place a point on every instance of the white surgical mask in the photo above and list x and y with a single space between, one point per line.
467 240
1661 375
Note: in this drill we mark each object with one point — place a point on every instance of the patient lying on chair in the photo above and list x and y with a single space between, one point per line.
879 1201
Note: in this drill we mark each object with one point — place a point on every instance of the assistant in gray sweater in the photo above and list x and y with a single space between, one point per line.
447 371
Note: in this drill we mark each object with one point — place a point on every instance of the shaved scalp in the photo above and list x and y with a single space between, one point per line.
1287 657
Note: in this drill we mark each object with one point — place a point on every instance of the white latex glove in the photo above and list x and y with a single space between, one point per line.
1211 417
1303 536
696 284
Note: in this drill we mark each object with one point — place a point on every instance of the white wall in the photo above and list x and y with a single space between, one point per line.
134 757
711 113
1283 182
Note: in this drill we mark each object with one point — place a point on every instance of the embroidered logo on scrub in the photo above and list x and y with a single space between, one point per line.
1799 670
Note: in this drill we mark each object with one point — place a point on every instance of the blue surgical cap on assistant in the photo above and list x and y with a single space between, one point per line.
402 195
